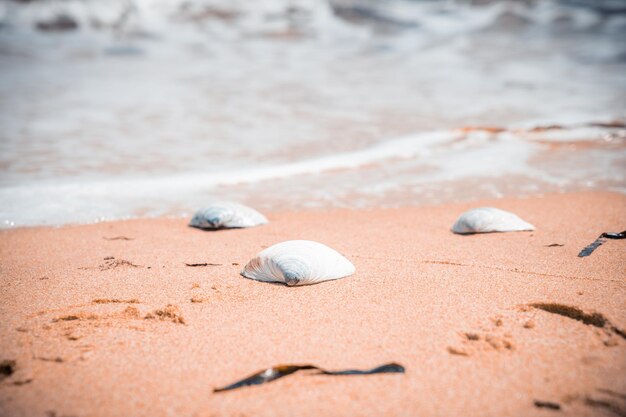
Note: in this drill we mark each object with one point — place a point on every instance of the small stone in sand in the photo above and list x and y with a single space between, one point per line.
529 324
7 368
23 382
547 404
457 351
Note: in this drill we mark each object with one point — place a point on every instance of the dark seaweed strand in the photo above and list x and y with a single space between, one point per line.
588 250
388 368
266 375
280 371
610 235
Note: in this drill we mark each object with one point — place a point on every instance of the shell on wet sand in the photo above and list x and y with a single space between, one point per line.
489 219
227 215
298 262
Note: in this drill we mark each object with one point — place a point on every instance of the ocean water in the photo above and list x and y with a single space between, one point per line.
121 109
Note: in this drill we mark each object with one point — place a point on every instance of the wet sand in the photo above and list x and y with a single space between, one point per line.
107 320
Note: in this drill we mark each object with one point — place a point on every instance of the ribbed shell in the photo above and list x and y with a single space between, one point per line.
226 215
489 219
298 262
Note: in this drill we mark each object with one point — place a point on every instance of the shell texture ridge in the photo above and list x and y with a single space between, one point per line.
298 262
227 215
489 219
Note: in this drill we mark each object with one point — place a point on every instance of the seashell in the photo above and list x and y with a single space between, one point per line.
489 219
298 262
227 215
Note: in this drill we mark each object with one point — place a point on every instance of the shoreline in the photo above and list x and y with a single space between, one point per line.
406 204
435 167
141 333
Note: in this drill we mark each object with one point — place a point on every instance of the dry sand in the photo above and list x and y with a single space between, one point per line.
454 310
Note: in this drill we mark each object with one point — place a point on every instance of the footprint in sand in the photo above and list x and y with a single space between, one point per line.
78 322
168 313
111 263
492 337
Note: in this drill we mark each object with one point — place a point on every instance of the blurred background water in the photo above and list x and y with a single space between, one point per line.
124 108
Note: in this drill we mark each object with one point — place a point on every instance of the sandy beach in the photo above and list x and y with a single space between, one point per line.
366 126
108 320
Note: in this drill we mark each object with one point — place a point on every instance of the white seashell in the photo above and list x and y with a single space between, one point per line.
489 219
226 215
298 262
